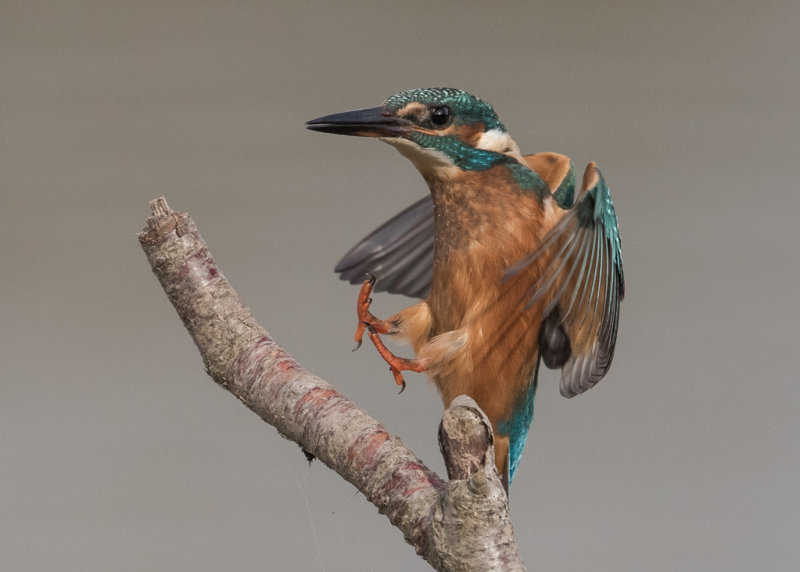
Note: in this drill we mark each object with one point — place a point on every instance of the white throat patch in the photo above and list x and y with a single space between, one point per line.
427 161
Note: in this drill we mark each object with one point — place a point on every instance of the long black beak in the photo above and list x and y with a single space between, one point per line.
371 122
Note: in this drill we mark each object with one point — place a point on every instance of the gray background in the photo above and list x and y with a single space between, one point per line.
118 453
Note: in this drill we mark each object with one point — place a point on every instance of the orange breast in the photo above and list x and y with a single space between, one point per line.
484 223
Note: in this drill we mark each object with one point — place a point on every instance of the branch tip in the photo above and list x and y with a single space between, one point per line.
465 438
159 207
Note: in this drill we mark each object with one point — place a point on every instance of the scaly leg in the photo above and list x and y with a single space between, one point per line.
374 326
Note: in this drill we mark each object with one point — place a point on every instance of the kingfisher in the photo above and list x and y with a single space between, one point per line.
512 268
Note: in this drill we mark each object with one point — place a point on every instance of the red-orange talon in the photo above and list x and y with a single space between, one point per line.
365 317
374 326
398 377
359 334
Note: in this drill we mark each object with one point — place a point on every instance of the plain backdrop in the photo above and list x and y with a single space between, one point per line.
119 453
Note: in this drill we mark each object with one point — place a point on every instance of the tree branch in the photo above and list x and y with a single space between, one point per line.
459 525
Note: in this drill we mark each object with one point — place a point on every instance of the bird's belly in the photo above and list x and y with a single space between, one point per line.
488 351
483 341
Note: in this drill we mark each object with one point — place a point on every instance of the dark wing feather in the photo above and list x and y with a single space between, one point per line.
583 283
399 253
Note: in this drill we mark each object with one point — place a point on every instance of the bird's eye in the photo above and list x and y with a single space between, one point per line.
440 116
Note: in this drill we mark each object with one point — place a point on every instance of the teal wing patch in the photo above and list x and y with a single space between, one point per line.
565 192
583 282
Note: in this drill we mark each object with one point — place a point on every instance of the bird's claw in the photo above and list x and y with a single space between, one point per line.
362 326
362 308
396 372
396 364
365 317
398 379
367 322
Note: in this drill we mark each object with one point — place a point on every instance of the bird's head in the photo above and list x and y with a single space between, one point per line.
437 128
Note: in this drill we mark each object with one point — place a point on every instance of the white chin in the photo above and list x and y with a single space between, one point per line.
427 161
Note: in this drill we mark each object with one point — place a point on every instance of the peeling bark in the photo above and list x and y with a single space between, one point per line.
459 525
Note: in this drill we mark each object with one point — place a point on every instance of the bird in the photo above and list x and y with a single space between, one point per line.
511 267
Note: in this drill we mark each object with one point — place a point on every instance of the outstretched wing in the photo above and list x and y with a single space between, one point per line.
399 253
583 283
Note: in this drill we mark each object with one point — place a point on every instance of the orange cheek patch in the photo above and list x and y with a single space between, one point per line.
469 134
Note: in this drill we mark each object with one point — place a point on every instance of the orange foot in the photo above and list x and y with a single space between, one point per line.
365 317
374 326
396 364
